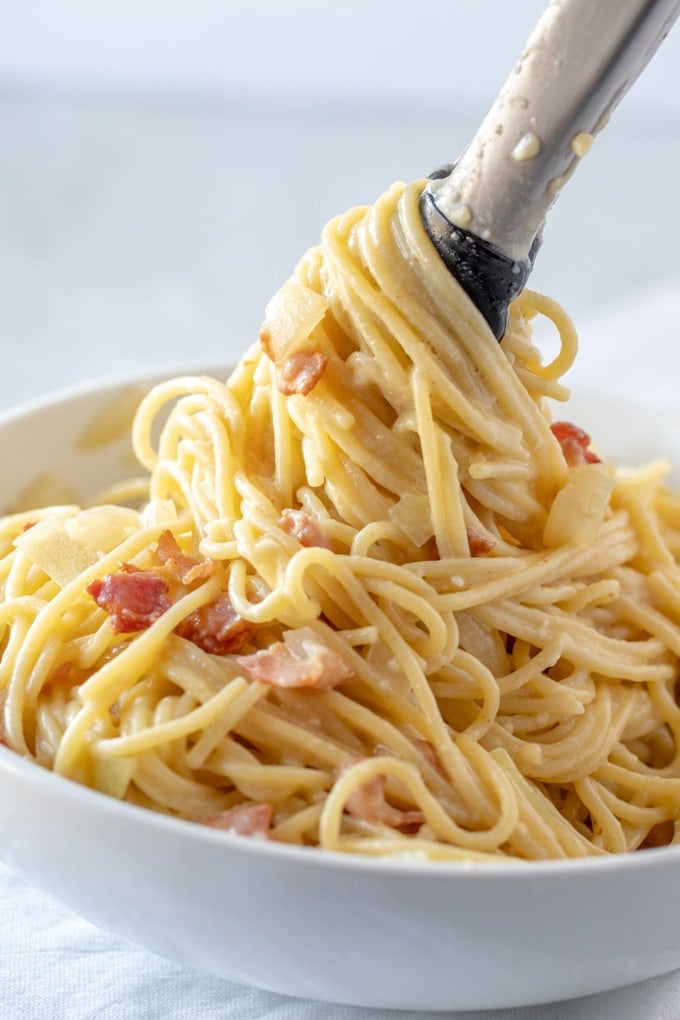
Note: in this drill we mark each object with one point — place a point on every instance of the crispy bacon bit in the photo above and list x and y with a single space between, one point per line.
300 660
246 819
185 569
367 802
300 372
575 444
304 528
478 544
134 598
217 628
130 568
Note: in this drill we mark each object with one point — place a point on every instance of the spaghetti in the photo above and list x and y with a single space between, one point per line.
375 600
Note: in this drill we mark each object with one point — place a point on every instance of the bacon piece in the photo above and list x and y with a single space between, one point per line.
478 544
130 568
575 444
248 819
367 802
216 627
185 569
300 372
134 598
300 660
304 528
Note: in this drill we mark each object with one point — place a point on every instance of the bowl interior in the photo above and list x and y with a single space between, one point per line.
71 445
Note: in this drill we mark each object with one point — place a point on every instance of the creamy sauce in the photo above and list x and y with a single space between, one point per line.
527 147
556 184
461 215
581 144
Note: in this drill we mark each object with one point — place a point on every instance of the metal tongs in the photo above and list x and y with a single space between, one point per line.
485 214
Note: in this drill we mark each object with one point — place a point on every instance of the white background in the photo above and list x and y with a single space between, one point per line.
163 164
316 51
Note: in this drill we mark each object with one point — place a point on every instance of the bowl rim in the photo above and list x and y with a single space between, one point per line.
312 856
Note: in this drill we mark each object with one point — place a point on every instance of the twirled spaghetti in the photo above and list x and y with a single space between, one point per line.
376 601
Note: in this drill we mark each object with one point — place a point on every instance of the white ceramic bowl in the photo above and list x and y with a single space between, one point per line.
307 923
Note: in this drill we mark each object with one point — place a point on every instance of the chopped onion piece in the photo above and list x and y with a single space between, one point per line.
112 775
413 515
102 527
290 317
159 511
50 547
579 508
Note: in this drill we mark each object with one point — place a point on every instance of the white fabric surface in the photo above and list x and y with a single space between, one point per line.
58 967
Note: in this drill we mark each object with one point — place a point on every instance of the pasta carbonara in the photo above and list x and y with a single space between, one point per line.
375 600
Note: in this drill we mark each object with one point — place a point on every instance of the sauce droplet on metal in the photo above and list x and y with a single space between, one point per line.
526 148
581 143
461 216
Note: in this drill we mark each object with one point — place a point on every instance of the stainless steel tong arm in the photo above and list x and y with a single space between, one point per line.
578 63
